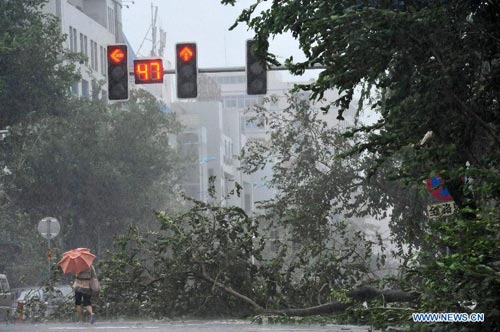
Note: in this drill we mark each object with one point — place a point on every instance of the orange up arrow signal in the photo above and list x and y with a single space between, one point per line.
117 55
186 54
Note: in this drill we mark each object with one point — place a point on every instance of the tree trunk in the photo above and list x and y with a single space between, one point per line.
358 294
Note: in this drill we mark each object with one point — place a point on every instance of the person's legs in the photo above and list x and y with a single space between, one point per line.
88 305
78 303
79 314
92 314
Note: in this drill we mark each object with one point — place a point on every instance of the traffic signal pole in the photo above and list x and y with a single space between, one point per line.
215 70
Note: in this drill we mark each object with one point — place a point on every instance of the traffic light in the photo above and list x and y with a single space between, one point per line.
256 72
186 70
117 72
148 71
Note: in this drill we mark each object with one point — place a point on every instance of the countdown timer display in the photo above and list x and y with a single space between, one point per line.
148 71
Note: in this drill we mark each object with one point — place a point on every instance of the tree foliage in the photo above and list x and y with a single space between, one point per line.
436 64
165 272
316 182
214 260
461 273
98 170
34 79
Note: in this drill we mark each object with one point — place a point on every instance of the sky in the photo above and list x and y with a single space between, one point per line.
205 22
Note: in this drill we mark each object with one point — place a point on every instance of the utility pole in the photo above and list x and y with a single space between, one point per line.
154 15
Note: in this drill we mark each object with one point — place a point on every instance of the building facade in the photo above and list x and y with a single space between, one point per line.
220 117
89 26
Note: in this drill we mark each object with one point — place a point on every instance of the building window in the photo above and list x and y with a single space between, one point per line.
96 60
103 61
230 103
85 48
74 88
240 101
228 152
81 43
248 203
230 79
85 88
93 55
111 20
73 39
92 61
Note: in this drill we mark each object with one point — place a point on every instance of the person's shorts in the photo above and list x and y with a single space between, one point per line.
80 296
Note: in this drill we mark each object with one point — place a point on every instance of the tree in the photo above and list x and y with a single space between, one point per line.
435 63
34 78
317 184
34 82
97 169
431 69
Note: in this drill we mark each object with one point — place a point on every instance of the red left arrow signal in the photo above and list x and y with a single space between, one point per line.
117 55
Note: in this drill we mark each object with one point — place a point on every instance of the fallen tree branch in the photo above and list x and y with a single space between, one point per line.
326 308
390 295
358 294
231 291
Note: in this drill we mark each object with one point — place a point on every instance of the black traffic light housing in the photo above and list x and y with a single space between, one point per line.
117 72
186 70
256 72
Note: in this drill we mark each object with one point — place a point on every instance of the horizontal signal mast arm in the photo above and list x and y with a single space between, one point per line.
233 69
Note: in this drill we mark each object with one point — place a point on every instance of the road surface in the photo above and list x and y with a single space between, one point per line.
177 326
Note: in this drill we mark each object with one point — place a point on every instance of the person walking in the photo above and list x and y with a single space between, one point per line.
79 263
83 293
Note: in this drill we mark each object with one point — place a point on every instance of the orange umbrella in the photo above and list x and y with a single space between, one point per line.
76 260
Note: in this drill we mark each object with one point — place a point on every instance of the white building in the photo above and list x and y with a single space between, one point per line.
217 123
90 25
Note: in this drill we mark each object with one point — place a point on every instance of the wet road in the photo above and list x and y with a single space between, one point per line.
178 326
